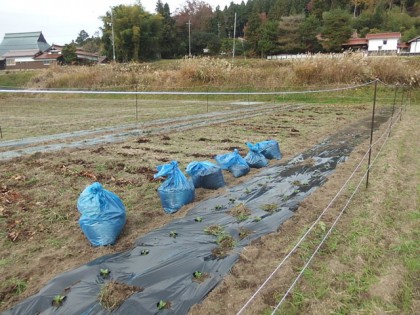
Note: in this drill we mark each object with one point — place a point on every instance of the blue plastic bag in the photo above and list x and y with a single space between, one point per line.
206 175
255 158
176 191
233 162
102 215
270 149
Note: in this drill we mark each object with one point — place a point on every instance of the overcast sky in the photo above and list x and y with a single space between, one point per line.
61 22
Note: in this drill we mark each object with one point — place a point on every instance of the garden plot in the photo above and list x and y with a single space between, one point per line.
185 246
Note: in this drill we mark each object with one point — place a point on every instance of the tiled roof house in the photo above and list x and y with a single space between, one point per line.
19 50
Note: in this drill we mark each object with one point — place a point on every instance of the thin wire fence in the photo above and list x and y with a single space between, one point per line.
29 112
382 138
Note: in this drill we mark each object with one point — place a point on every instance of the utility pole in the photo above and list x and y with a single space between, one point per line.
234 37
218 30
113 38
189 38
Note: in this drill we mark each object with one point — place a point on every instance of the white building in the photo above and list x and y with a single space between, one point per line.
414 45
387 42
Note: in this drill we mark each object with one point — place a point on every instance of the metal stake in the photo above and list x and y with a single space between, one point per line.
371 132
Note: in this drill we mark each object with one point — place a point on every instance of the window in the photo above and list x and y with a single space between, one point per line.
47 62
10 62
379 47
385 41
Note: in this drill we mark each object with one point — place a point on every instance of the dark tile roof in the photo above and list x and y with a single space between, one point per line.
23 41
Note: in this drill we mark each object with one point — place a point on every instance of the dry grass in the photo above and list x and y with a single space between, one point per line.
114 293
204 73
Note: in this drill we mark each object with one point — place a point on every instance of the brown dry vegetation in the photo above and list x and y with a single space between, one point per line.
41 238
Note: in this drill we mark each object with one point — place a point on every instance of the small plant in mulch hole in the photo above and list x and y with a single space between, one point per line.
244 232
232 200
218 207
114 293
163 305
247 191
58 300
226 242
173 234
240 212
214 230
105 273
198 219
144 252
257 219
199 276
269 207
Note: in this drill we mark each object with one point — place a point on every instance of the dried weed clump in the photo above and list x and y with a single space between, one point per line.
114 293
205 70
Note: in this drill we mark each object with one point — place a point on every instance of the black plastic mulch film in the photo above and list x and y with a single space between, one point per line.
163 263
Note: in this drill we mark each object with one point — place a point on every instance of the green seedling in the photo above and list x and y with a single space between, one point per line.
218 207
269 207
242 217
214 230
144 252
199 276
163 304
232 200
257 219
104 272
58 300
244 232
240 212
198 219
247 191
173 234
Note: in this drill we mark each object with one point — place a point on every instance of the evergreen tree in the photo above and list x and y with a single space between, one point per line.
290 37
336 29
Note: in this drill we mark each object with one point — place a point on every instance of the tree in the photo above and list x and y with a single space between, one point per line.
269 34
309 31
290 37
137 33
169 40
82 37
336 29
69 53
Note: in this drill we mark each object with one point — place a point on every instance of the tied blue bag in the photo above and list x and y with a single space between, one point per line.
176 191
233 162
255 158
102 215
270 149
206 175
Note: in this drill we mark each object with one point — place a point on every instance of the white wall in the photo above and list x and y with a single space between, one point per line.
375 44
415 46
